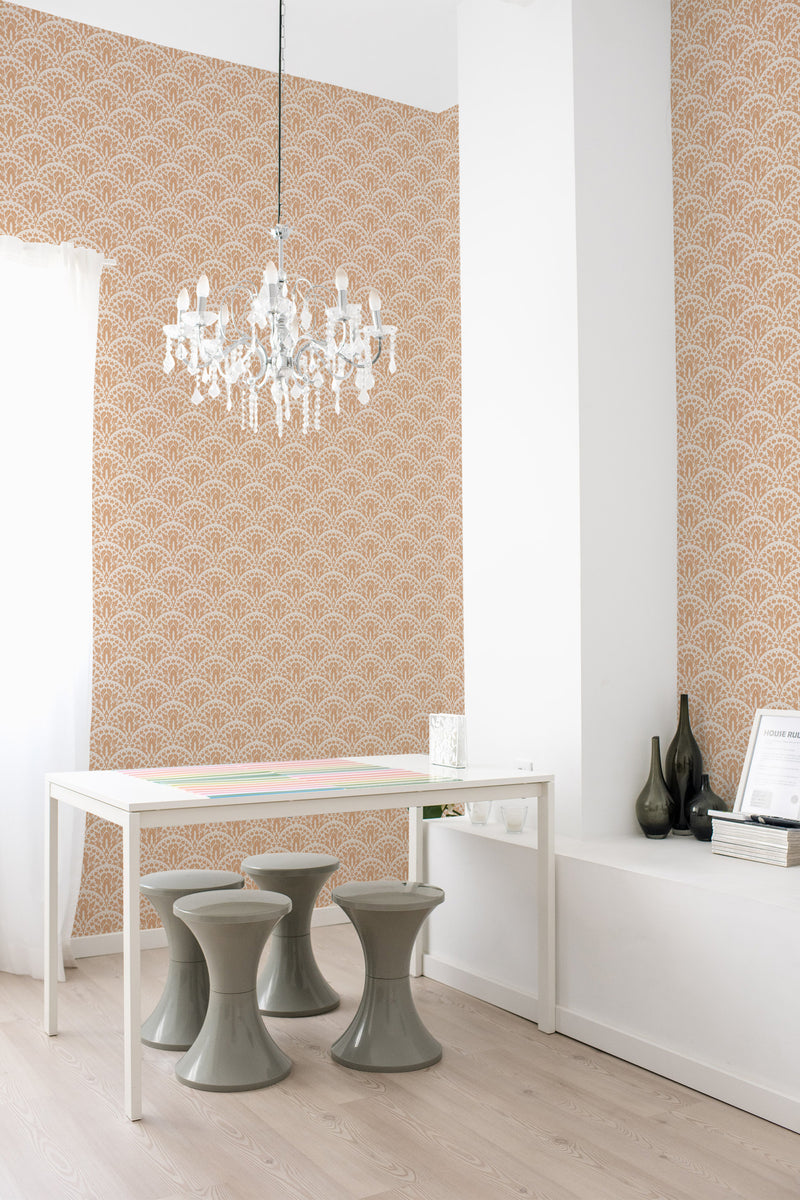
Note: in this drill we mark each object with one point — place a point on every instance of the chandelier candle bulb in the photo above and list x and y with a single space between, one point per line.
271 280
341 280
202 295
375 309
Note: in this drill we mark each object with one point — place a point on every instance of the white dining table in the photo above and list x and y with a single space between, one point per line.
135 803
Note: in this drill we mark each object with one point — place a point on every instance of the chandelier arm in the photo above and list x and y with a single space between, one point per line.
265 361
249 291
313 343
248 344
349 362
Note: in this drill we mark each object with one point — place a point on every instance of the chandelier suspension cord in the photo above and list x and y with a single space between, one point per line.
280 97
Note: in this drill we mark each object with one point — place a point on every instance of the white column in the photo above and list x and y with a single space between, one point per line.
520 389
568 393
628 464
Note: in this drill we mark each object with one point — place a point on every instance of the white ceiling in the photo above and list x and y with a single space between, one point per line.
401 49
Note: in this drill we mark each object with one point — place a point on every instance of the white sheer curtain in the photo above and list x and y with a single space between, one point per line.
48 333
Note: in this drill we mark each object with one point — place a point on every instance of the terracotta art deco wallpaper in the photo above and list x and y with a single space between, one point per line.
736 137
255 599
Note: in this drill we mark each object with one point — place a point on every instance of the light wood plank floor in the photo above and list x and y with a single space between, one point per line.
509 1112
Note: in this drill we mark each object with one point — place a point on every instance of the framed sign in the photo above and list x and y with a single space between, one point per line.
770 782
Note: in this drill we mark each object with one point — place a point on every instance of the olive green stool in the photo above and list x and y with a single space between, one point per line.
233 1051
387 1033
175 1021
291 984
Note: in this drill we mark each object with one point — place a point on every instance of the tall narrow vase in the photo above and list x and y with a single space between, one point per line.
654 803
683 768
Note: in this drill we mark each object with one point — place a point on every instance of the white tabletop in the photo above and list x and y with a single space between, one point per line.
128 793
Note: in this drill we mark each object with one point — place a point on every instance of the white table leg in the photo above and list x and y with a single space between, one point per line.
131 940
546 905
50 913
416 874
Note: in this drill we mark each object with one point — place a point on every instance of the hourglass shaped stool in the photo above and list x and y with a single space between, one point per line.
387 1033
233 1051
175 1021
291 984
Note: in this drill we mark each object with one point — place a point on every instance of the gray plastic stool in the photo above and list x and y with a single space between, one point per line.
291 984
387 1034
175 1021
233 1051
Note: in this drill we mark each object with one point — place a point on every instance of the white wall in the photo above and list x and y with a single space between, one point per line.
628 458
520 388
401 49
568 393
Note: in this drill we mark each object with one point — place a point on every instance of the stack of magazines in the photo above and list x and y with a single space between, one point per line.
736 835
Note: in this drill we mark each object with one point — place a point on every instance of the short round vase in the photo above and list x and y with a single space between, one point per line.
654 803
700 823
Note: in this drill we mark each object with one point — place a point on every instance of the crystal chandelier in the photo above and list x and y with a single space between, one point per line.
262 339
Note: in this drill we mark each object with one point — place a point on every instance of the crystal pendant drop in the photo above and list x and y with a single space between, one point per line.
197 395
169 363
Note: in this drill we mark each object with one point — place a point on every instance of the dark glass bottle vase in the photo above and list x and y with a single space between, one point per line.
700 822
654 805
683 768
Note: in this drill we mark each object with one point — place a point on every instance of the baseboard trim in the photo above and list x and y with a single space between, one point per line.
523 1004
703 1077
92 945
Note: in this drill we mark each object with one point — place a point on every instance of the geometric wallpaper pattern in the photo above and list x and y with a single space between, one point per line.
255 599
736 147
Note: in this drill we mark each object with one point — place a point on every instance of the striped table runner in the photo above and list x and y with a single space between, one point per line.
274 778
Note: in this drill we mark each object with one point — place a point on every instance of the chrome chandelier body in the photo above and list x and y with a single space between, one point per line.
262 341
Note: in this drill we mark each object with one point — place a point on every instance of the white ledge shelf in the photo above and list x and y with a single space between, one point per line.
685 860
493 830
678 859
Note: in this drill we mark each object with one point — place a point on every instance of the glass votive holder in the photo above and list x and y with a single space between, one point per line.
478 811
514 817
